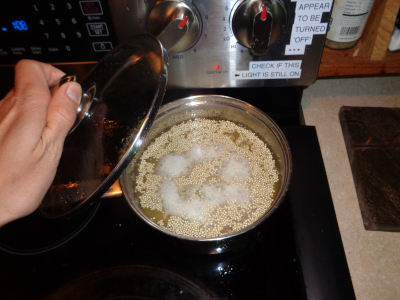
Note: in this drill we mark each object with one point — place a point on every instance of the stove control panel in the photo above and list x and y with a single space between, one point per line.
55 31
211 44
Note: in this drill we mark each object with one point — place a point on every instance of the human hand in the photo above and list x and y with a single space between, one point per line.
34 122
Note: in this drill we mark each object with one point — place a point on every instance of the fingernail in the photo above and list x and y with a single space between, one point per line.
74 91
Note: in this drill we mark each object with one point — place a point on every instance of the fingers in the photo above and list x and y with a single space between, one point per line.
33 76
32 82
50 114
61 112
32 95
10 93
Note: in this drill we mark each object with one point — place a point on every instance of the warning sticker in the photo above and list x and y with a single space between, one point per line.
307 23
268 75
270 70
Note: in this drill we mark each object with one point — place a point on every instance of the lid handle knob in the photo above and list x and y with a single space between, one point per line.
87 98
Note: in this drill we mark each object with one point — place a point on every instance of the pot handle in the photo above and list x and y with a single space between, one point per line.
114 191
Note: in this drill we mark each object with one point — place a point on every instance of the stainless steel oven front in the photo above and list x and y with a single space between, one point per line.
226 43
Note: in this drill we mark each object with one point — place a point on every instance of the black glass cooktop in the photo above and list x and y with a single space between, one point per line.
109 253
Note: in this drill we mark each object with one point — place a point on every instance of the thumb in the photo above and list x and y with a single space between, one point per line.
62 109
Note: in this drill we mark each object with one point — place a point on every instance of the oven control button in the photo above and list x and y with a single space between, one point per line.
102 46
91 8
97 29
257 24
175 24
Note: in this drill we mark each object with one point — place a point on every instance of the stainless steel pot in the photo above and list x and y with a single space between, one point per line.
217 108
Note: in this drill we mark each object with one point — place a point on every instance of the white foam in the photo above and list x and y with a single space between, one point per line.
199 154
173 165
170 196
221 193
236 193
176 201
184 201
194 209
238 166
214 194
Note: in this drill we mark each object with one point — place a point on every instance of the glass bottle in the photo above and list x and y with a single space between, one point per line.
347 23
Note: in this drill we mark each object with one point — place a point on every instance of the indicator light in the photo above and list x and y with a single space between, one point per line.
263 12
3 29
216 67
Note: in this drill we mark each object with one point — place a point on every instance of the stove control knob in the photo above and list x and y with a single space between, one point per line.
175 24
257 24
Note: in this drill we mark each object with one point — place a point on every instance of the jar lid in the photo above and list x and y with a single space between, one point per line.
121 97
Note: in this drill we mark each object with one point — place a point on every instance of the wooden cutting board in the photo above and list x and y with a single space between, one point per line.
372 137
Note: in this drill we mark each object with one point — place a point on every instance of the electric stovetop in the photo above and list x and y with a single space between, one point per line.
107 252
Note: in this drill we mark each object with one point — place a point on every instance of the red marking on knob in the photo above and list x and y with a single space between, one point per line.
263 12
183 22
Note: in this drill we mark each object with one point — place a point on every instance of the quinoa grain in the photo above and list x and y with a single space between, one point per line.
206 178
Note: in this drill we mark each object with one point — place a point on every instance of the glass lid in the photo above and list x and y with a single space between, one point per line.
121 97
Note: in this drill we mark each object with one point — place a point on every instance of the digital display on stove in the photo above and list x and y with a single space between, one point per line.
19 25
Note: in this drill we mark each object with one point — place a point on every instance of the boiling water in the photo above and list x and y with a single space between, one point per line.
206 178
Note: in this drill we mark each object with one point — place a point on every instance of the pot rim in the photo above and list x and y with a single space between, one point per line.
250 109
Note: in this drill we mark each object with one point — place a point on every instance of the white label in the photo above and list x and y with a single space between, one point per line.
313 6
307 23
348 19
278 69
274 65
281 74
295 49
308 17
310 28
301 39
